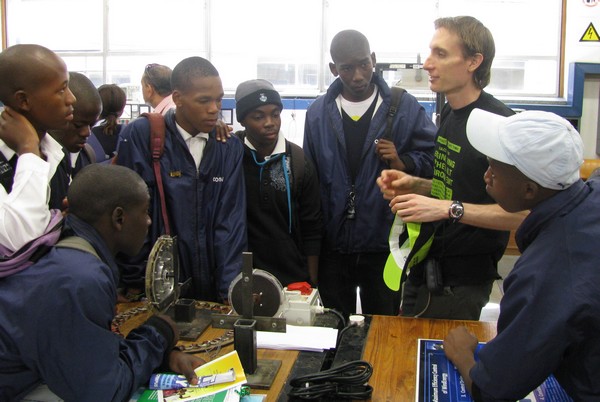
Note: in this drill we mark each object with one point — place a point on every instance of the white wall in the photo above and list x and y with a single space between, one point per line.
589 126
579 17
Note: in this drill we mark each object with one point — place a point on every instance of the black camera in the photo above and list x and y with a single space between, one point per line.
433 276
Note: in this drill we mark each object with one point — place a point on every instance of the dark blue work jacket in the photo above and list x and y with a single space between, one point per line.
206 207
413 133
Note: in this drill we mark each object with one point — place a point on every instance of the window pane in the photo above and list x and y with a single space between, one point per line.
250 43
397 38
526 62
91 66
127 70
141 25
510 21
527 54
59 25
292 50
394 39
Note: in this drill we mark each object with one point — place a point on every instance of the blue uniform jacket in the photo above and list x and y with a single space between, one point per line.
413 132
549 319
207 209
55 326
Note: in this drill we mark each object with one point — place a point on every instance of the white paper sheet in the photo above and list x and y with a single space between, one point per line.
315 339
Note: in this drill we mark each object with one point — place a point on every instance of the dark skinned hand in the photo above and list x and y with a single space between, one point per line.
223 131
386 150
18 133
179 362
184 363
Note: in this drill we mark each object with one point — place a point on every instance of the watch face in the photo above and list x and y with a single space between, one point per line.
457 210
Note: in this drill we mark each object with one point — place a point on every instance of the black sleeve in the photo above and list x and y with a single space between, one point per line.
163 328
408 163
476 393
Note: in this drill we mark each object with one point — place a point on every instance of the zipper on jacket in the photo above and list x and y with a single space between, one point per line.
350 204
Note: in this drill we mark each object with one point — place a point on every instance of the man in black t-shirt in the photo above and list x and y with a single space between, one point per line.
470 231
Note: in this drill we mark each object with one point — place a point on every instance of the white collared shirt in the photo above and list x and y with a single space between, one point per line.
356 109
195 144
24 213
279 147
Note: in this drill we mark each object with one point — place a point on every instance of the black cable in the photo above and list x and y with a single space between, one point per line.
349 380
340 335
342 322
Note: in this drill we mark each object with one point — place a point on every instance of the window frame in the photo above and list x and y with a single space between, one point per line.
323 75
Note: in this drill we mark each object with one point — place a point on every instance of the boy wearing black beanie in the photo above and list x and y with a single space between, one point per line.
283 201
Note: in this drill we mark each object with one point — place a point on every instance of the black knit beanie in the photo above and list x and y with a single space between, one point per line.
252 94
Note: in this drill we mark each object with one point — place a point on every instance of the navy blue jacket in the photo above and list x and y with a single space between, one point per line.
55 327
207 209
549 319
60 182
413 132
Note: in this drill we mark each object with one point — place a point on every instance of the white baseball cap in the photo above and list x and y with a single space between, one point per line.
542 145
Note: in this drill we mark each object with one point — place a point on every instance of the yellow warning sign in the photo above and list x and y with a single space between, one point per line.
590 35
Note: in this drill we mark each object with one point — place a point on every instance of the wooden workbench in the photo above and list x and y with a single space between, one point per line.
391 348
392 351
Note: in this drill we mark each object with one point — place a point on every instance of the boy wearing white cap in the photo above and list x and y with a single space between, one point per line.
550 313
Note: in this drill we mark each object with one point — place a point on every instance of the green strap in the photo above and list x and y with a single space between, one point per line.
409 245
78 243
392 271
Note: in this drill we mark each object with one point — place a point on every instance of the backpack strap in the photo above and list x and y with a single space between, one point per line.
157 146
77 243
12 262
397 93
89 151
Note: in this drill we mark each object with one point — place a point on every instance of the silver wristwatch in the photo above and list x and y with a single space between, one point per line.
456 211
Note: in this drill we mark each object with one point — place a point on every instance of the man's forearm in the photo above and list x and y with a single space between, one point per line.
422 186
464 364
492 216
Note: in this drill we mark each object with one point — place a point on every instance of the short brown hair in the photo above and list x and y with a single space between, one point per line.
475 38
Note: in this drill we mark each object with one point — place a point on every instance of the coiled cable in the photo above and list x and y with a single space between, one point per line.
349 380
